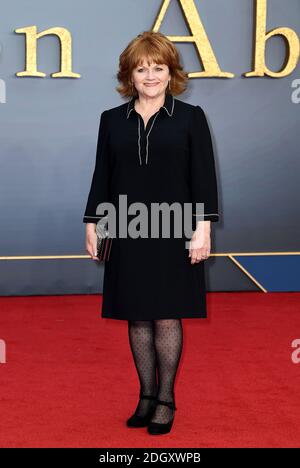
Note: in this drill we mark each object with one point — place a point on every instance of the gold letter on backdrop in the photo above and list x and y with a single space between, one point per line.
292 55
198 37
65 56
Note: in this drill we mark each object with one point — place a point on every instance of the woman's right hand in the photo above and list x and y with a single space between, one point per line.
91 240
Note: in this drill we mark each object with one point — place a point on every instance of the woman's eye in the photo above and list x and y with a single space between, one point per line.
157 68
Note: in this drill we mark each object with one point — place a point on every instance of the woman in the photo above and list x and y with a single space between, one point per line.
154 148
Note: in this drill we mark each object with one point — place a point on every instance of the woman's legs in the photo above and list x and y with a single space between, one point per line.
168 338
158 344
141 339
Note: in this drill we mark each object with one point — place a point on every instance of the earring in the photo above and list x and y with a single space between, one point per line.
169 85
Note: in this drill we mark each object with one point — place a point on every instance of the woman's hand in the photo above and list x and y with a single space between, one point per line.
200 244
91 240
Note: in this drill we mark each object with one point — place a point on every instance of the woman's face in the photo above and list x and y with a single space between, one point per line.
151 80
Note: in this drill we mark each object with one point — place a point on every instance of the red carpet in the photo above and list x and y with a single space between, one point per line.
70 381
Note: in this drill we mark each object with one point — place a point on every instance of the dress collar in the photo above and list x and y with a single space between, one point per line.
168 105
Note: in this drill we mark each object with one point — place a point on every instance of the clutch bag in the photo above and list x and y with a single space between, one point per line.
104 242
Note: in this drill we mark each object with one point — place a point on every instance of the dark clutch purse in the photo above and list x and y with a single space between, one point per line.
104 242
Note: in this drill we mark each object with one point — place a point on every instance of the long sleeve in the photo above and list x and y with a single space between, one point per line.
202 168
100 186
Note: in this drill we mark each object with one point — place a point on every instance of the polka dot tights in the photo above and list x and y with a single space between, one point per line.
156 347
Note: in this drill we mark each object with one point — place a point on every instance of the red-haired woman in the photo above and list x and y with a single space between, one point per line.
155 148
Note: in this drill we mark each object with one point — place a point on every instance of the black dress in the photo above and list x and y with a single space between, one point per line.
171 160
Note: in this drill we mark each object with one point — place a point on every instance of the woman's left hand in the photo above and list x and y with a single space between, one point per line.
200 243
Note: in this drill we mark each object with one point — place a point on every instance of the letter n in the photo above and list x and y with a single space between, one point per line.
2 352
65 39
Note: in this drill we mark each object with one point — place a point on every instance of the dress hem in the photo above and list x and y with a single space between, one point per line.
156 318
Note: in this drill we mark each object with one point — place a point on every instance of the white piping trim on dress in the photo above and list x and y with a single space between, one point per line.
172 107
206 214
139 139
129 112
147 135
163 107
128 107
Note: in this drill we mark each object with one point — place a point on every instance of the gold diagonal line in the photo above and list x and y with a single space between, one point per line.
221 254
224 254
247 273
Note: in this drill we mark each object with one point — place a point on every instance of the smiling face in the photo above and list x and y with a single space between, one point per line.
151 80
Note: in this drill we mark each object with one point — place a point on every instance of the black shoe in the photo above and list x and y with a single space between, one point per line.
142 421
162 428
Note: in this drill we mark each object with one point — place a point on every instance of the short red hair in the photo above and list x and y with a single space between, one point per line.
153 46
